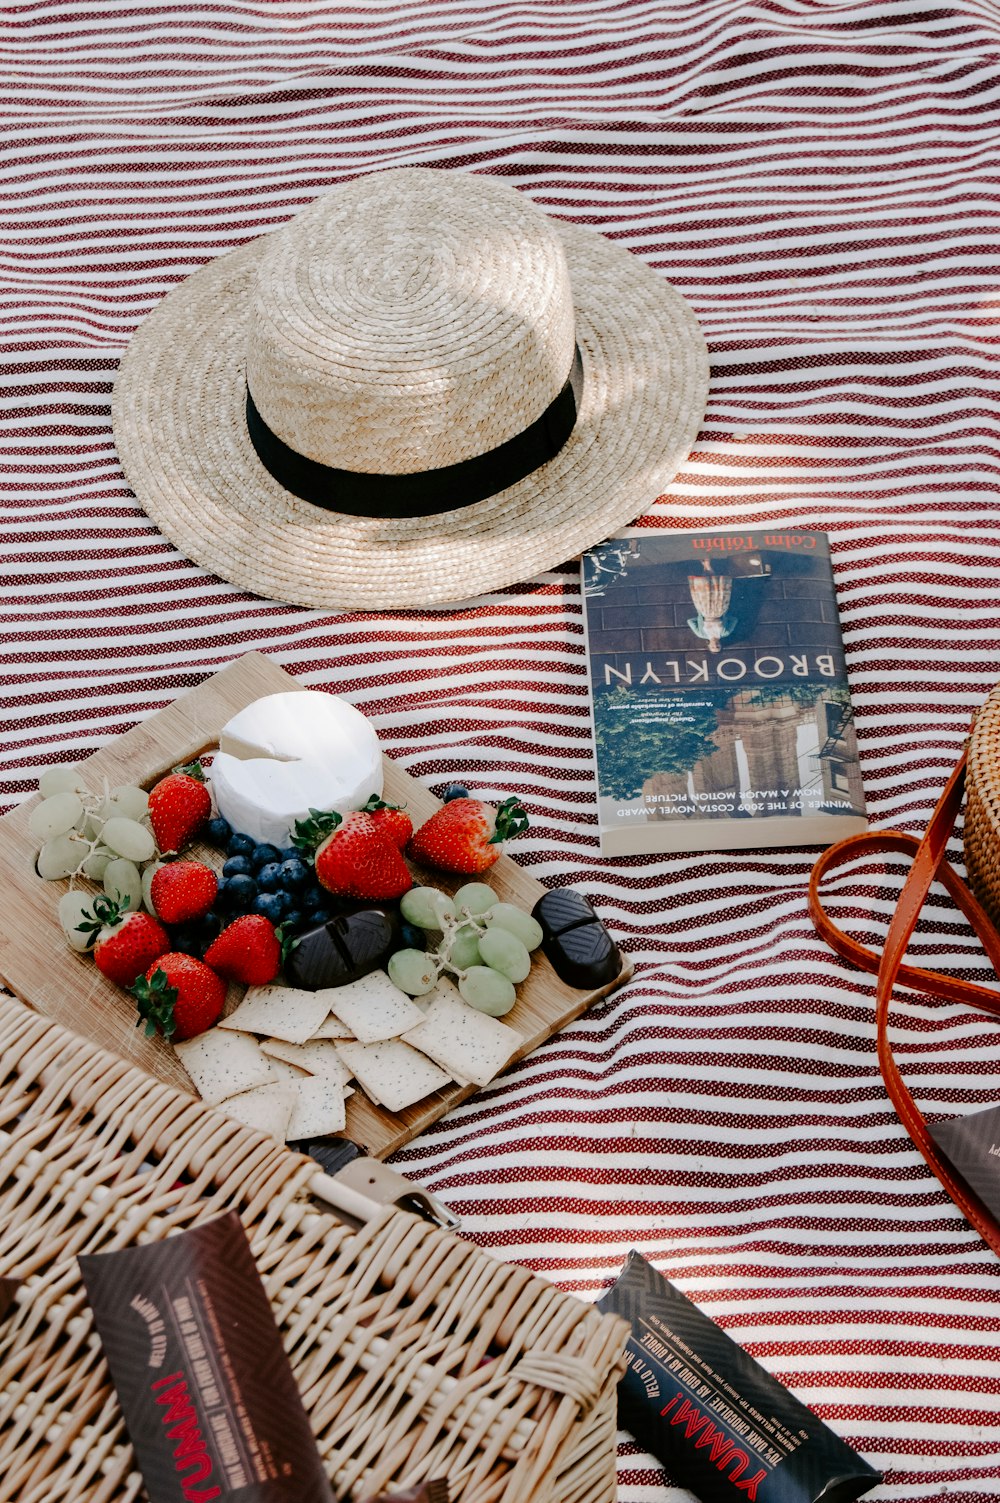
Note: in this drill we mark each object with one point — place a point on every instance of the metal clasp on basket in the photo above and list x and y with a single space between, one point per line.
367 1179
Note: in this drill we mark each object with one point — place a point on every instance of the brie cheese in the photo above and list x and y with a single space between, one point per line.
288 753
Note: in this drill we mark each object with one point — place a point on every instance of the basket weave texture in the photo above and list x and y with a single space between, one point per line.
981 828
417 1355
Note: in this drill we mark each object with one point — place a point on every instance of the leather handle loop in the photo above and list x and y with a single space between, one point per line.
929 863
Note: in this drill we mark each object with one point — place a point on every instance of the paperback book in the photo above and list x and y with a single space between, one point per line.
722 714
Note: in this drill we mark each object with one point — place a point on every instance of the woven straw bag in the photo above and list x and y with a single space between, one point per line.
978 774
417 1355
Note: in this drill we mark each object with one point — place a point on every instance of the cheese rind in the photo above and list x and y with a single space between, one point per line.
288 753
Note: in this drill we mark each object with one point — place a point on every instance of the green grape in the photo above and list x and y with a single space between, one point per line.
123 884
96 864
74 909
413 972
475 898
128 839
426 907
55 816
148 873
60 779
128 802
59 858
503 953
465 948
487 991
518 923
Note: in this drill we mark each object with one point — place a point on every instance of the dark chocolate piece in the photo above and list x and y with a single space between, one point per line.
720 1424
562 908
579 948
343 949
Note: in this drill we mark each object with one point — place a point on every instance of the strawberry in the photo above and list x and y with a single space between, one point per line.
179 997
247 950
464 835
179 805
391 819
182 891
354 859
125 943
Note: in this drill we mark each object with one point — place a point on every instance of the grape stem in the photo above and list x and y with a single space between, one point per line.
441 954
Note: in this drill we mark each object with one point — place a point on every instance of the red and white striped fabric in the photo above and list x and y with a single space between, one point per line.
819 178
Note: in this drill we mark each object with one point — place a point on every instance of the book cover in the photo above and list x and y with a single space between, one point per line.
722 715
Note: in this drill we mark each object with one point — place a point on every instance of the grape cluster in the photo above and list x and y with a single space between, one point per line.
485 944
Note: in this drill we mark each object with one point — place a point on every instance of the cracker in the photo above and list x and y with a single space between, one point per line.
267 1108
318 1110
223 1064
373 1008
280 1068
333 1028
315 1058
281 1012
393 1074
463 1041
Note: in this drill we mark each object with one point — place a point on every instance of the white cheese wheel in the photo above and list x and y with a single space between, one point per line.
288 753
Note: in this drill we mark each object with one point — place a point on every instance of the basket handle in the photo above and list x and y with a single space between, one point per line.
929 862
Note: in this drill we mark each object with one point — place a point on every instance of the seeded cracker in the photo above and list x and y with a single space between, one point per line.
393 1074
465 1041
315 1058
223 1064
282 1012
374 1009
318 1110
267 1108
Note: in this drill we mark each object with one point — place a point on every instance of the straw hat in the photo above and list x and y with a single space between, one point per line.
426 336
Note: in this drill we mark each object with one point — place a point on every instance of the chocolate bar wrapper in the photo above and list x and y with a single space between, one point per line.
972 1144
206 1389
720 1424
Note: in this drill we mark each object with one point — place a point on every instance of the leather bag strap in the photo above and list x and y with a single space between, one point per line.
929 863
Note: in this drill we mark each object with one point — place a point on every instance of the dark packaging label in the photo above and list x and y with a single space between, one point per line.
719 1423
972 1144
207 1391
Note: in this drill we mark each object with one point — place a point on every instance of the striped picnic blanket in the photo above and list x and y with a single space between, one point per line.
820 179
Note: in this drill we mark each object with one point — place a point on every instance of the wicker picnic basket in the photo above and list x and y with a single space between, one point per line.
417 1355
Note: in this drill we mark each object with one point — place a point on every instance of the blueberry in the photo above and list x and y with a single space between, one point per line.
208 927
264 853
317 916
291 853
237 866
269 876
314 896
292 919
218 831
454 790
241 845
295 874
185 942
270 904
413 938
240 893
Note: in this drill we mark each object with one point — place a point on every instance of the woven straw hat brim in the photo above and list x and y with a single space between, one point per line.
179 424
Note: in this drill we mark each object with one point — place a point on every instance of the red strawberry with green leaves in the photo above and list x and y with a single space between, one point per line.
247 950
179 997
182 891
354 858
124 942
465 834
179 806
392 820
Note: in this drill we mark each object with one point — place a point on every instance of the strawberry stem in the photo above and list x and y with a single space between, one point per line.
155 999
311 832
512 818
375 803
192 769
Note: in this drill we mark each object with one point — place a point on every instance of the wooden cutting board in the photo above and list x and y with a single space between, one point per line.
39 967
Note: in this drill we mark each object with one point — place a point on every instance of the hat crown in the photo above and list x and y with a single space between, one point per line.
410 321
